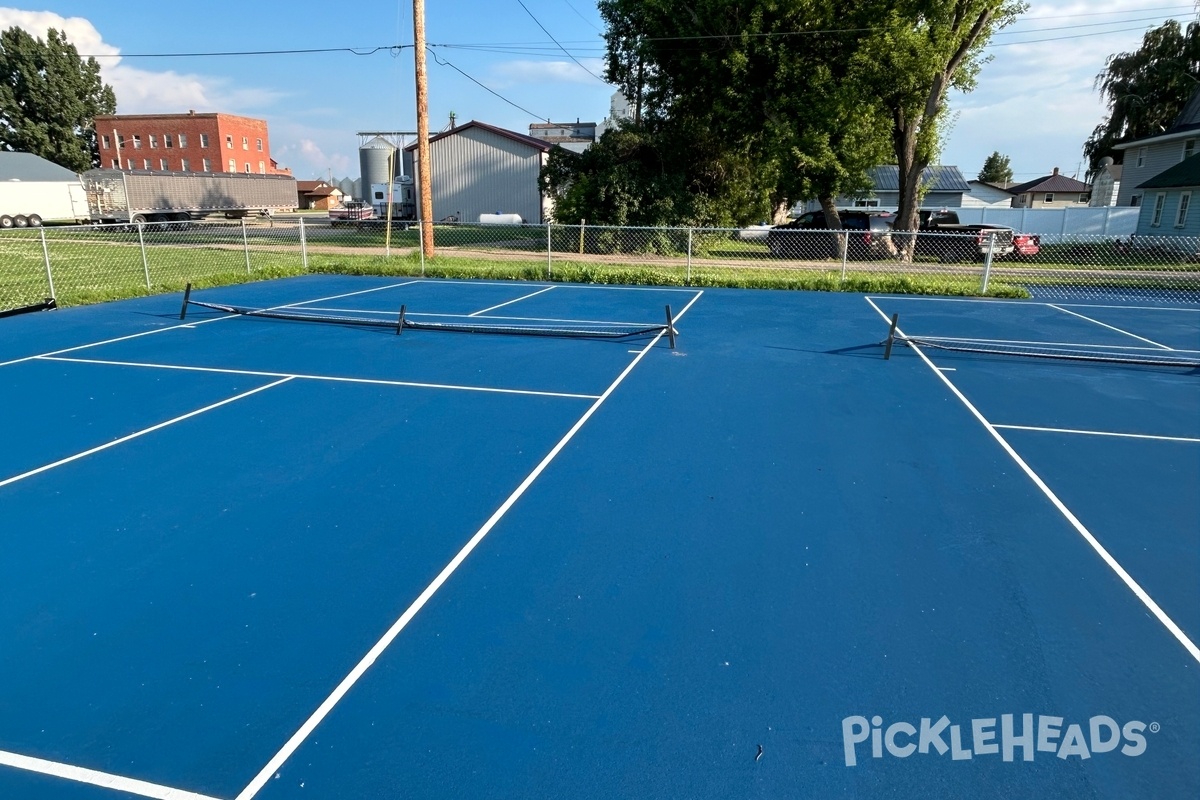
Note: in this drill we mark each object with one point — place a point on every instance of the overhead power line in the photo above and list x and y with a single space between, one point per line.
573 58
488 89
358 51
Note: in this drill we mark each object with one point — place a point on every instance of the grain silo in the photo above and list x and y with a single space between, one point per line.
379 162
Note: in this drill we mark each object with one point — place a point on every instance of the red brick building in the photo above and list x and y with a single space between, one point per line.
188 142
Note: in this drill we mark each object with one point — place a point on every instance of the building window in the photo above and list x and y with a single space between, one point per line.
168 141
162 164
1049 198
1141 157
182 140
146 163
116 163
262 168
258 143
204 140
1185 200
206 165
871 203
1160 200
184 166
1135 201
120 142
130 165
153 142
137 142
1085 198
233 165
106 141
1024 199
247 167
245 143
1189 149
228 141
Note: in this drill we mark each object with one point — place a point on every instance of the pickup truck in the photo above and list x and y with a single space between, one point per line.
941 235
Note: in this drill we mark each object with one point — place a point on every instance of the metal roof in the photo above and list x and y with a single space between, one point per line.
936 179
539 144
28 167
1185 173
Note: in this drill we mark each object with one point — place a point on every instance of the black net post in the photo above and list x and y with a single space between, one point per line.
887 351
400 322
187 295
670 328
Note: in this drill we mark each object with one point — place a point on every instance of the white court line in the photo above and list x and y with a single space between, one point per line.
334 378
1110 327
594 286
363 665
1079 527
93 777
192 324
136 434
510 302
1098 433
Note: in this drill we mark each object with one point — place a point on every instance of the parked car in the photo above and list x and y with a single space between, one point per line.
809 236
941 235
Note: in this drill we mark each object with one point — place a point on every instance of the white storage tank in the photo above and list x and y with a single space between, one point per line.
500 219
379 162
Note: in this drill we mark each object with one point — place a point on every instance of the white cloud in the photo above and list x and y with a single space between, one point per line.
515 73
142 91
306 157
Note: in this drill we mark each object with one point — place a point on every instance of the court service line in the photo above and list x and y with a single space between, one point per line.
136 434
93 777
399 625
191 324
591 286
510 302
1079 527
1106 325
1098 433
332 378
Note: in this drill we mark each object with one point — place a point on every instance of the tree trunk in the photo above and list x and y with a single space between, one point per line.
833 221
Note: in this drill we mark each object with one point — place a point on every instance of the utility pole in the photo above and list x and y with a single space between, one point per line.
424 172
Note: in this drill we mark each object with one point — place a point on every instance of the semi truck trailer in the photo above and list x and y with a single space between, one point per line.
133 196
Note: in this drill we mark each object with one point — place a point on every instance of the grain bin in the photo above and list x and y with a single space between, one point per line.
379 162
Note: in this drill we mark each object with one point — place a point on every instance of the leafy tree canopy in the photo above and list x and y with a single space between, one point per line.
1145 90
996 169
49 99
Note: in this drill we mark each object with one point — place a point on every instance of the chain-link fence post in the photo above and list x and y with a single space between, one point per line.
141 229
987 263
844 236
687 281
46 257
421 245
246 245
549 249
303 246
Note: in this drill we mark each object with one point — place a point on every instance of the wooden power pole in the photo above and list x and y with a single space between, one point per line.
424 172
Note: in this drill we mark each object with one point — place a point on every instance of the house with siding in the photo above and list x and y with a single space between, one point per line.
481 169
1051 191
985 195
1106 184
1145 158
1166 210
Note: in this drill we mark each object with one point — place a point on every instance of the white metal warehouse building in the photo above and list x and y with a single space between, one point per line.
481 169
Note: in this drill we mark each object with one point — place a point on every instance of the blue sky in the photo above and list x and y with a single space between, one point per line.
1034 102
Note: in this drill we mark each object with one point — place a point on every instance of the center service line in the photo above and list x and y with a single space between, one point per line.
1106 325
399 625
510 302
1113 564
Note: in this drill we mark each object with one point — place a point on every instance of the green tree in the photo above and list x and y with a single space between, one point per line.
1145 90
766 79
49 99
996 169
916 52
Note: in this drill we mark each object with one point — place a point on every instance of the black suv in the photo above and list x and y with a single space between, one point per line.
808 236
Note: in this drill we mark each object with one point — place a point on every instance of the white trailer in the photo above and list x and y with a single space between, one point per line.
27 204
133 196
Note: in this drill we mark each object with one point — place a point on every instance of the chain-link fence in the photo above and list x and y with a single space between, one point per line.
83 264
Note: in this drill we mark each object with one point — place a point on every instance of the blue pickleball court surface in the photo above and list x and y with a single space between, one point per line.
279 559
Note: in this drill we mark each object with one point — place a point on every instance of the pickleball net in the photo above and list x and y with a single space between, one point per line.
1064 351
401 321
